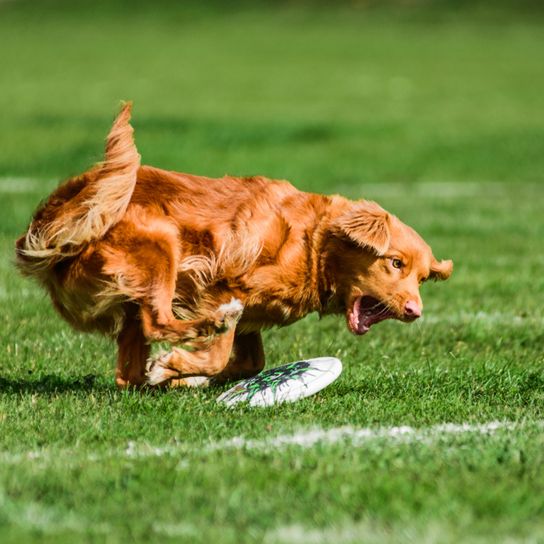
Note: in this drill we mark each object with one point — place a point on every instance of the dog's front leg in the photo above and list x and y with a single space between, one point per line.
247 358
180 366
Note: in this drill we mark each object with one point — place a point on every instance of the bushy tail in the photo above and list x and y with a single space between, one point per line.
84 208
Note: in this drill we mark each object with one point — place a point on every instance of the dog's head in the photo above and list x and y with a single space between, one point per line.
378 264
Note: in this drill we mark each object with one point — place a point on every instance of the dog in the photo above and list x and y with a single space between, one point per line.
146 255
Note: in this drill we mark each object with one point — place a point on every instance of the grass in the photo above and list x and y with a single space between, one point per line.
435 114
314 95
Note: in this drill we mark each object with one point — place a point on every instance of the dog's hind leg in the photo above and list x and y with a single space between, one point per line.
133 352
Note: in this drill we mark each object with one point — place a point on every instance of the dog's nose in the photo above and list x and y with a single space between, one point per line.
412 310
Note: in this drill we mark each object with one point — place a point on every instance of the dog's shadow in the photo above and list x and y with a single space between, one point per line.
52 383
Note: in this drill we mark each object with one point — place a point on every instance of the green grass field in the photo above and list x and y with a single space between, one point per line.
435 112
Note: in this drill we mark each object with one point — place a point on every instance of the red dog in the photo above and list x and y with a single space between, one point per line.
146 255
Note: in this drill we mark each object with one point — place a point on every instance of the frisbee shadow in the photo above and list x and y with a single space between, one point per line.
51 383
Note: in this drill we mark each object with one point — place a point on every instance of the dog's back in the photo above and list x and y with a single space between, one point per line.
81 242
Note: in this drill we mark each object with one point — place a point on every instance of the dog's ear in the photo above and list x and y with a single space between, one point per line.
441 270
366 224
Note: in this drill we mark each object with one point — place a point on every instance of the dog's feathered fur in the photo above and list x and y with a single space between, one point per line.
144 255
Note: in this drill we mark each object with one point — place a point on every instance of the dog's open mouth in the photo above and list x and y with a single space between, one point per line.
365 312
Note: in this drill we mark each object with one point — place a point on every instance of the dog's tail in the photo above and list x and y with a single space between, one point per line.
86 207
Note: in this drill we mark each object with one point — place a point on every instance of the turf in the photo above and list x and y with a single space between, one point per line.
434 113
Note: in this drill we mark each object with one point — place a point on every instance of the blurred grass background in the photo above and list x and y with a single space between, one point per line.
319 93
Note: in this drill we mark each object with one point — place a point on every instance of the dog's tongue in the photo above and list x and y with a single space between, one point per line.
353 316
359 319
365 312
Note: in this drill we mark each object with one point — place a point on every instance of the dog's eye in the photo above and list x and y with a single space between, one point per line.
397 263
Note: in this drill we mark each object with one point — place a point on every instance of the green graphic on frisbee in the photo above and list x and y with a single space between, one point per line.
286 383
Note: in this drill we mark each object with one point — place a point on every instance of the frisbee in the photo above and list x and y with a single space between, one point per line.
286 383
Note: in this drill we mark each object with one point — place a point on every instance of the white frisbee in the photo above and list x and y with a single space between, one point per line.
286 383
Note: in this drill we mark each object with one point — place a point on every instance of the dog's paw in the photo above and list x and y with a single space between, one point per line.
228 315
191 381
157 369
160 372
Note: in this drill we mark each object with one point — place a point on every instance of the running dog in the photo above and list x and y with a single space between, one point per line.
146 255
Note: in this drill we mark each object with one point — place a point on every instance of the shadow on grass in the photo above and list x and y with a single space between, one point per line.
89 383
52 383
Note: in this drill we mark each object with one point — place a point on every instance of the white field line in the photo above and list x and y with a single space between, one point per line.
492 318
49 520
357 436
367 531
422 189
21 184
372 531
15 185
349 436
18 294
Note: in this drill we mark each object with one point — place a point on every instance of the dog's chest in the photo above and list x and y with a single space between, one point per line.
269 313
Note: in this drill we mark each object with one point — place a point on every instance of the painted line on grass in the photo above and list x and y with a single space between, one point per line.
359 436
367 530
47 519
445 189
52 521
492 318
305 439
15 295
18 185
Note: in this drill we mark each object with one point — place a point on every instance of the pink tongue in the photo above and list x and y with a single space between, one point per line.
354 315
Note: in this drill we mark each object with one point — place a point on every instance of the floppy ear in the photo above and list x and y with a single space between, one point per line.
366 224
441 270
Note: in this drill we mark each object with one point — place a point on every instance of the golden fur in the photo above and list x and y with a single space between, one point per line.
146 255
